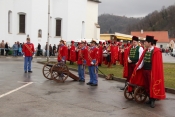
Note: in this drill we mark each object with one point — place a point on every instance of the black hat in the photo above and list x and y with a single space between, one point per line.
155 41
149 38
134 38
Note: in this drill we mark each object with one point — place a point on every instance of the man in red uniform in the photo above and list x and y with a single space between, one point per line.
82 59
132 55
72 56
92 62
100 47
28 52
151 64
62 52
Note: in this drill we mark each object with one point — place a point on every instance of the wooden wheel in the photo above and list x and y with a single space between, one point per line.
140 95
128 95
59 72
47 70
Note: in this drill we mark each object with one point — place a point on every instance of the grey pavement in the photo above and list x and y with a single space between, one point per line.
168 58
46 98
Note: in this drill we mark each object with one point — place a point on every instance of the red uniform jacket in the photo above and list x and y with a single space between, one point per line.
72 56
82 55
92 56
62 52
100 54
157 89
28 49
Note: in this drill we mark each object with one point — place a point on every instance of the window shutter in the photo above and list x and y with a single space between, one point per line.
58 27
22 24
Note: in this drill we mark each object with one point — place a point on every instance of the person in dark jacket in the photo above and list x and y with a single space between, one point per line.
6 49
50 50
39 50
54 50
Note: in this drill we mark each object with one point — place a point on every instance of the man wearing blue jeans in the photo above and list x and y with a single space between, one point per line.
28 51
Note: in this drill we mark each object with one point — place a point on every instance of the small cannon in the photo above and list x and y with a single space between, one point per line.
58 72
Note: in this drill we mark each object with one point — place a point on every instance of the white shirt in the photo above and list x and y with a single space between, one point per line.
140 52
142 63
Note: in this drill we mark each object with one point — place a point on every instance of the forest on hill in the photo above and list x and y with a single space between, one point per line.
163 20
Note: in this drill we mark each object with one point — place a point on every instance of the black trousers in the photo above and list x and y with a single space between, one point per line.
2 51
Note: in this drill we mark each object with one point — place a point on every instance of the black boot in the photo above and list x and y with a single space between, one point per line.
152 105
149 101
124 86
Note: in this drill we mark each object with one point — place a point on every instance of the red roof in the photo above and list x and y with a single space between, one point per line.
161 36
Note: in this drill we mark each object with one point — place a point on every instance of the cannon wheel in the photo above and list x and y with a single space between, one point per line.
128 95
140 95
47 71
60 72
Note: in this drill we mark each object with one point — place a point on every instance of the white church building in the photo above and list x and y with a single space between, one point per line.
68 20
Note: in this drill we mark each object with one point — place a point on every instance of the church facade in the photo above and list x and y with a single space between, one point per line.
69 20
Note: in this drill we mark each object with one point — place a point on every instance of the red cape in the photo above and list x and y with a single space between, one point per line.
125 69
72 55
100 54
157 88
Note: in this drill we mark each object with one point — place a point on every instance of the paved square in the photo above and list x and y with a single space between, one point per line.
44 98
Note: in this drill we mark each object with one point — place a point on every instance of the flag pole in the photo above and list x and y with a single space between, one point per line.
48 30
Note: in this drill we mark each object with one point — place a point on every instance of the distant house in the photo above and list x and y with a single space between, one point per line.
172 43
161 36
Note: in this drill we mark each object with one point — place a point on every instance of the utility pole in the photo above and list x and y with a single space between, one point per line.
48 30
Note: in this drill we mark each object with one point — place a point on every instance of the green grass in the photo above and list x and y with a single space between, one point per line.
169 75
117 70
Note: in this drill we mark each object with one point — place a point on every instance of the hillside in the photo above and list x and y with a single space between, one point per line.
156 21
111 23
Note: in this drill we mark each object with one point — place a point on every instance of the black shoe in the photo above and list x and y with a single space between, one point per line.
122 88
30 71
89 83
152 105
94 84
81 80
148 102
25 71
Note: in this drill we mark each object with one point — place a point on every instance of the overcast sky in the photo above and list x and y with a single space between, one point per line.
132 8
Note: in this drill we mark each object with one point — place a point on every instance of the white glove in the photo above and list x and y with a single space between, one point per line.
33 55
92 63
23 56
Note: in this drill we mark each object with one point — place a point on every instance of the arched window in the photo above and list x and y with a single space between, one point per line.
39 33
10 22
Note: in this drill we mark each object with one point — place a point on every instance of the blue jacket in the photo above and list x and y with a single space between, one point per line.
15 47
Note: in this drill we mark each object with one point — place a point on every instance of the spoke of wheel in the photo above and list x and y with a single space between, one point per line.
47 67
46 70
48 74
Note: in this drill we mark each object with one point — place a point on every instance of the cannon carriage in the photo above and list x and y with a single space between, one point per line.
135 92
58 72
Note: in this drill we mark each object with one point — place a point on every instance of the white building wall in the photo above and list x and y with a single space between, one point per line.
39 21
91 19
165 45
72 13
23 6
2 20
59 9
76 15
